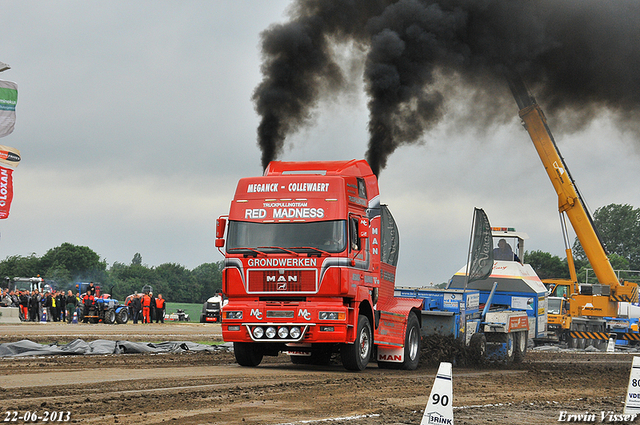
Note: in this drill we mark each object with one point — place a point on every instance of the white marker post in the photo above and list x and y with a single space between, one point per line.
439 409
632 403
611 345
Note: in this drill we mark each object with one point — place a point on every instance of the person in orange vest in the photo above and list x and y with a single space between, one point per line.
160 309
24 305
87 300
146 308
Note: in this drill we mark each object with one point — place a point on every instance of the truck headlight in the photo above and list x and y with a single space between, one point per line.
295 332
258 332
270 332
331 315
233 315
283 332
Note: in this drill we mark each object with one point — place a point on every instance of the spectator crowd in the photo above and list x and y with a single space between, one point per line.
58 306
146 308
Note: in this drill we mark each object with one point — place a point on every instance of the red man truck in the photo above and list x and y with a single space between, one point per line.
310 266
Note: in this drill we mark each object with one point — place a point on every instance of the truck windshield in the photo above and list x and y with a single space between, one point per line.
327 236
555 305
23 286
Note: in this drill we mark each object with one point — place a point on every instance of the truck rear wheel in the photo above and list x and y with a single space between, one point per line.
247 354
510 348
356 356
411 354
521 339
478 345
412 344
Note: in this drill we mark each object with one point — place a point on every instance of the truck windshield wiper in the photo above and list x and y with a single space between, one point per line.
245 248
280 248
318 250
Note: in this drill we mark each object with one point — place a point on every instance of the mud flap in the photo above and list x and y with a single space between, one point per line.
390 354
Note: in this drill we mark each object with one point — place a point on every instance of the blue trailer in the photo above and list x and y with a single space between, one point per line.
494 317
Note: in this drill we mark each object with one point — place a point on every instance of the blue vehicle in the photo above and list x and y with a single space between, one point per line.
494 317
104 309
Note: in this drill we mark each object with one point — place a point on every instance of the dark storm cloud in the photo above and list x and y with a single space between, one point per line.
580 57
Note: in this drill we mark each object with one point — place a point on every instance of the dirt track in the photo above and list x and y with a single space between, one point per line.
209 388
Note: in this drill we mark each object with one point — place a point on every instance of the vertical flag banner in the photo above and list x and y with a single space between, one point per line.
482 249
9 159
8 101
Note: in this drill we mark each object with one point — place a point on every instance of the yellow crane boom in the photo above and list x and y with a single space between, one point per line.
570 203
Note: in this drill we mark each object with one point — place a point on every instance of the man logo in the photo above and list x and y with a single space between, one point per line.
281 281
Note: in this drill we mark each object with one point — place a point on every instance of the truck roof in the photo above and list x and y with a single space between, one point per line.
354 167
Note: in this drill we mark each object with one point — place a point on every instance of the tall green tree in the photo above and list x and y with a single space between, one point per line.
127 280
175 283
619 228
71 263
18 266
546 265
209 276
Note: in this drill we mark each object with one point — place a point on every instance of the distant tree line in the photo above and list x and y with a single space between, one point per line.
67 264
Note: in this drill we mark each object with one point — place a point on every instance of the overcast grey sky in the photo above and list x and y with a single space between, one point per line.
135 122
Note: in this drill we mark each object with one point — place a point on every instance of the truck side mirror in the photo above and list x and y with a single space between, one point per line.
221 223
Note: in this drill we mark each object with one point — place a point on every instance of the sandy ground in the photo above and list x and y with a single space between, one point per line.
209 388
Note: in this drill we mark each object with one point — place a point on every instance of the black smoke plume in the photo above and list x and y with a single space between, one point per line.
579 57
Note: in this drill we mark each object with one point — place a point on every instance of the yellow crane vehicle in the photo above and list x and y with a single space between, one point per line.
578 313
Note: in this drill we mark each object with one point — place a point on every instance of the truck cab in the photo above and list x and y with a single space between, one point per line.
310 265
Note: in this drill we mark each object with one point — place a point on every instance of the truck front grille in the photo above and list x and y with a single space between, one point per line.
282 281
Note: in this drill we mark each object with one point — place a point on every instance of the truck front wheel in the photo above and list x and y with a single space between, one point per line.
356 356
247 354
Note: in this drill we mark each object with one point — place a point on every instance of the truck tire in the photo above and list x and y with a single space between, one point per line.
411 354
110 316
521 340
247 353
356 356
122 316
478 346
510 347
412 344
202 319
